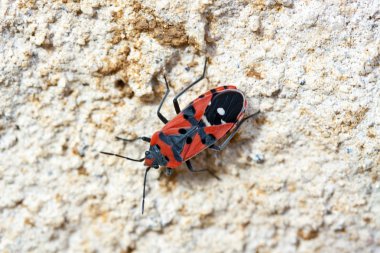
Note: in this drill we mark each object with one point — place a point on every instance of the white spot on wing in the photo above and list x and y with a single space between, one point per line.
221 111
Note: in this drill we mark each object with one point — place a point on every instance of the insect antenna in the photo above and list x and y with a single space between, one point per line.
131 159
146 139
143 201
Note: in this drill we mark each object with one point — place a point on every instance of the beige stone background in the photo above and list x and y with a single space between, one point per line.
303 177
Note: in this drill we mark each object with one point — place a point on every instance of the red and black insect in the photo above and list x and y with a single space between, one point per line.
200 125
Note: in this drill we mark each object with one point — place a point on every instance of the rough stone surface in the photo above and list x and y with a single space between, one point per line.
303 177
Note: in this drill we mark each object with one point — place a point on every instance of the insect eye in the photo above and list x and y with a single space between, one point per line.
147 153
155 166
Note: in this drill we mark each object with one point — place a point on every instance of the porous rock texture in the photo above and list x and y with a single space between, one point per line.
302 177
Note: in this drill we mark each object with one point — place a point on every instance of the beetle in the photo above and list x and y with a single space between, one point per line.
207 119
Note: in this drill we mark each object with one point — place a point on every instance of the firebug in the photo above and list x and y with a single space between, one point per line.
207 119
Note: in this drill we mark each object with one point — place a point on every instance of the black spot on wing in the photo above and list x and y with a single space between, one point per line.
208 139
182 131
232 103
189 140
189 115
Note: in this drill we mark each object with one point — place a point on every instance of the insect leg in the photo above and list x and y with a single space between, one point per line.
146 139
143 200
224 144
175 100
162 118
190 167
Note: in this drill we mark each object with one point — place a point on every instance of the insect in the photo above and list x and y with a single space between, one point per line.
207 119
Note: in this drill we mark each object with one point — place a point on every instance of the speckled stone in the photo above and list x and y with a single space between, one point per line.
303 177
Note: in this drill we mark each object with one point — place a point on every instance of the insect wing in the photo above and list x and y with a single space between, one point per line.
209 134
195 110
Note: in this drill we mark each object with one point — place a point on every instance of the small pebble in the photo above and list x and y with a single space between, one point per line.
259 158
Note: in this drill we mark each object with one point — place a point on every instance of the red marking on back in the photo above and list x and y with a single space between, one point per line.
171 131
148 162
241 114
154 138
219 130
192 149
229 87
177 122
200 106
